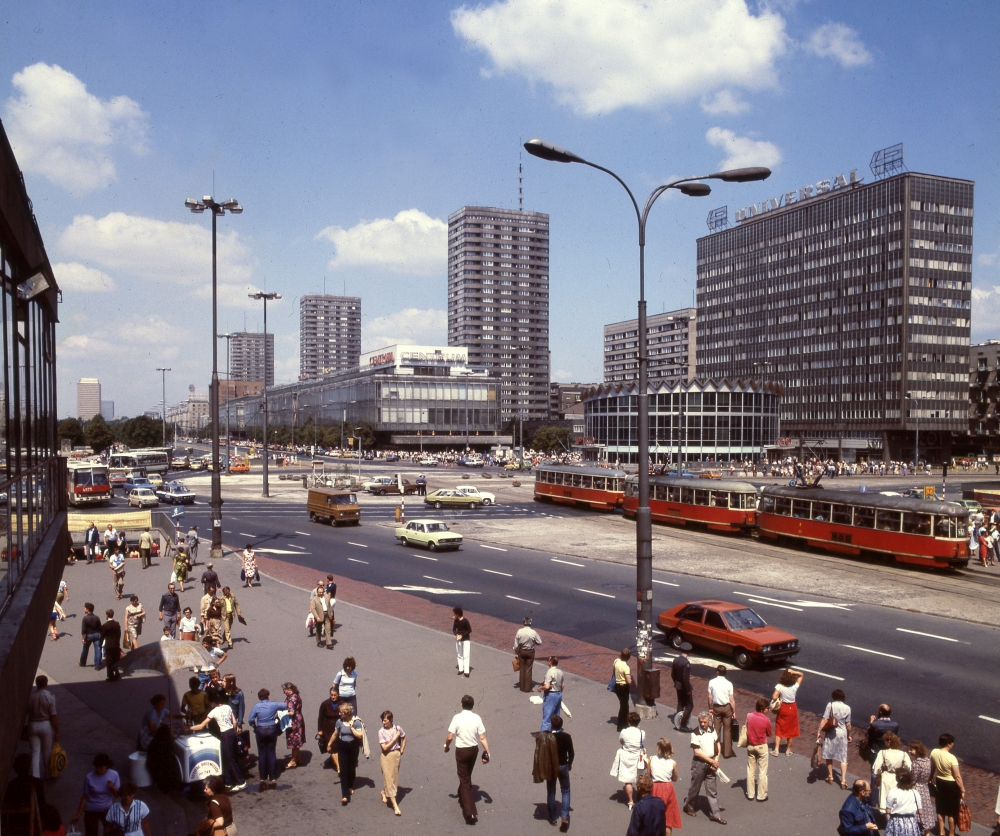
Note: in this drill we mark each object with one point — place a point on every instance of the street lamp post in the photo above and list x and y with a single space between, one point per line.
164 412
916 445
265 297
649 679
357 434
229 396
233 207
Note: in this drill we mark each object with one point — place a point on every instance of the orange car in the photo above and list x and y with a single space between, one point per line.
728 629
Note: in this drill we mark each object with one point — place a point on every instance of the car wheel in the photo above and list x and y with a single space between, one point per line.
403 541
742 658
437 505
432 545
487 502
676 639
473 506
381 493
312 517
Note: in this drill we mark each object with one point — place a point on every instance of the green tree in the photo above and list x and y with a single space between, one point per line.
72 429
98 434
141 431
551 439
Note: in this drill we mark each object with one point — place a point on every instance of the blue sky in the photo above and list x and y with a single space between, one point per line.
350 131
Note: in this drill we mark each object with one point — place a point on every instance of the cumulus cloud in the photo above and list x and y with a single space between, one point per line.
985 312
987 259
78 278
145 333
66 134
411 242
412 325
742 151
839 42
599 56
724 103
151 250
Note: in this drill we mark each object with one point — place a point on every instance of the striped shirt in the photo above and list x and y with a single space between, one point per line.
129 821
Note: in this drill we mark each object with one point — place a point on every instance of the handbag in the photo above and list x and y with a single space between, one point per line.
58 762
742 742
814 761
517 663
828 724
964 818
776 705
611 682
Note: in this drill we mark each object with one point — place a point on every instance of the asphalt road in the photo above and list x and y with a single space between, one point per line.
936 673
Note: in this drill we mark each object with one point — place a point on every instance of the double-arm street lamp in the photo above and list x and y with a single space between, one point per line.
649 681
266 297
164 413
233 207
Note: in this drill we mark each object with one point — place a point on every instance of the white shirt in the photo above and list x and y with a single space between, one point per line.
787 692
223 715
466 726
721 690
661 769
903 802
705 742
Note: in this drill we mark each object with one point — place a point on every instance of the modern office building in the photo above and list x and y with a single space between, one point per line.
984 389
413 396
856 297
107 410
671 340
564 396
700 420
498 302
88 398
329 335
247 357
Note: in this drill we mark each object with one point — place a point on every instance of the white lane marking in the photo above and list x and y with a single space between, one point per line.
439 580
694 660
525 600
355 560
431 590
244 534
772 604
590 592
875 652
304 533
567 562
361 545
819 673
293 546
799 603
665 583
928 635
279 551
494 572
424 557
494 548
989 719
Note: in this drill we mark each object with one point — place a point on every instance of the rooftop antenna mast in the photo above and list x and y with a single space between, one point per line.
520 185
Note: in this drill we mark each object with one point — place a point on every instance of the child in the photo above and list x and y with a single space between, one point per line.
166 635
194 706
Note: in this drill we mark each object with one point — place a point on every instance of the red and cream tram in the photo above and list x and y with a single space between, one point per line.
914 531
599 488
722 506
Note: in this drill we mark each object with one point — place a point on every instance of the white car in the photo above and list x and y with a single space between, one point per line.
428 461
143 498
484 497
378 483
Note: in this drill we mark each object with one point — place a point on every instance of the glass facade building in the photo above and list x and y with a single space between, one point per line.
856 297
689 421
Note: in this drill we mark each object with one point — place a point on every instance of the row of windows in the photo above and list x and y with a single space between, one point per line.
736 500
580 480
880 519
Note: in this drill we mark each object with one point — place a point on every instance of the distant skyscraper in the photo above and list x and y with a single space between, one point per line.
672 339
88 398
247 357
498 301
329 334
108 410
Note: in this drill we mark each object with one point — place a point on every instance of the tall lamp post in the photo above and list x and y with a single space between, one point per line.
229 396
266 297
233 207
916 445
649 679
164 413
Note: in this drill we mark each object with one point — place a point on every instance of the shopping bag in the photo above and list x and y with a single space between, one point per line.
814 761
517 664
58 761
964 818
742 742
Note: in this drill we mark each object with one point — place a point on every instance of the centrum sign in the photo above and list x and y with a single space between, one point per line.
383 359
797 196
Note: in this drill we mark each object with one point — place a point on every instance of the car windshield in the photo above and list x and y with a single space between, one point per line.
743 619
437 527
345 499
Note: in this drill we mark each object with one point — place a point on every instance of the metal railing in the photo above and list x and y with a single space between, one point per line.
29 503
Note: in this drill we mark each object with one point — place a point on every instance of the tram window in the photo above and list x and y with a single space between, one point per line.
840 514
692 614
821 512
800 508
674 493
767 504
548 477
577 480
558 477
945 527
720 499
700 497
632 488
783 506
888 520
616 485
599 483
687 496
588 481
864 517
914 523
660 491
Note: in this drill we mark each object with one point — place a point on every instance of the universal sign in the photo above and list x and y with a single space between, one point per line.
797 196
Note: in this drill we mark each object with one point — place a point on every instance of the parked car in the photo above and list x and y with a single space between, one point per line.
483 497
391 457
377 482
472 461
142 498
431 533
135 482
428 461
176 493
973 506
516 465
392 487
447 497
729 629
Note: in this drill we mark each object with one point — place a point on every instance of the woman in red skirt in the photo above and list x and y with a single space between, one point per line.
786 724
663 771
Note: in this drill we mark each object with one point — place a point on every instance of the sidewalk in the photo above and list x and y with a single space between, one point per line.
406 664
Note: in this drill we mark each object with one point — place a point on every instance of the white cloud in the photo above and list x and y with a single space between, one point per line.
742 151
147 331
980 295
985 312
724 103
987 259
78 278
420 327
840 42
411 242
61 131
150 250
600 56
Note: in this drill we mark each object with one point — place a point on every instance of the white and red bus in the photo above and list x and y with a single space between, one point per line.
87 483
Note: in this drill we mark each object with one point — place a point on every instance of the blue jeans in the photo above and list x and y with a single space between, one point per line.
564 786
551 703
95 640
267 761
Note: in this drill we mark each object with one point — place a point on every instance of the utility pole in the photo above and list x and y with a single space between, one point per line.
266 297
163 414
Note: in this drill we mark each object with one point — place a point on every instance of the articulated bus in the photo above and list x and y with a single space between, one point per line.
87 483
585 486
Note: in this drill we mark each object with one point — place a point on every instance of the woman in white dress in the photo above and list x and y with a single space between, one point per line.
835 734
888 764
629 759
903 806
